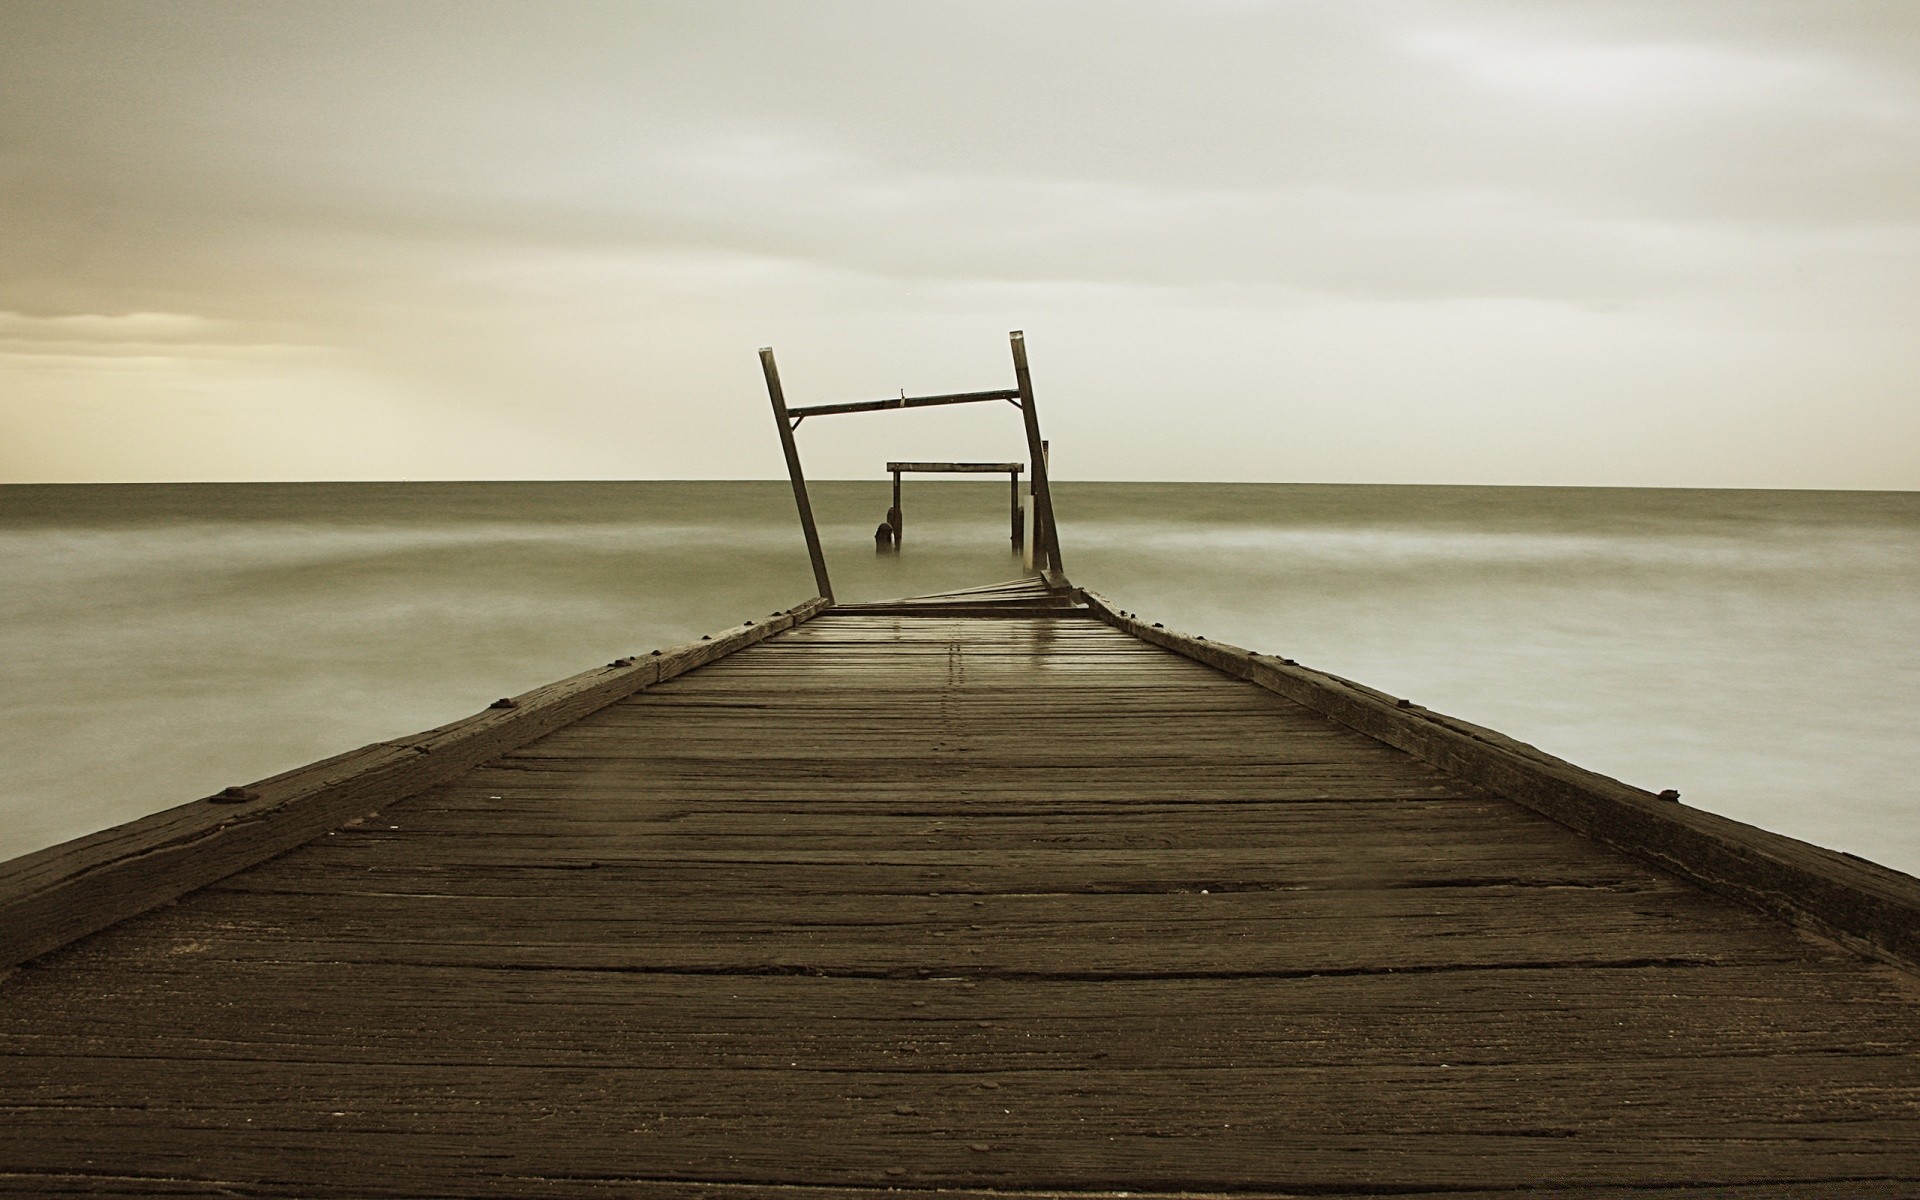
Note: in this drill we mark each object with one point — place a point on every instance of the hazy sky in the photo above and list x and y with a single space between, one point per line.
1538 241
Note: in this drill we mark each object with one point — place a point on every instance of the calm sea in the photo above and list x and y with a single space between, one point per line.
1759 651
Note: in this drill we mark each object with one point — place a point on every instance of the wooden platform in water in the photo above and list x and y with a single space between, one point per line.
1022 905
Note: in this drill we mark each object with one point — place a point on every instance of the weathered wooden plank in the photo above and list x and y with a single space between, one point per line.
968 609
126 1188
1785 1119
102 1188
1033 593
404 1013
1867 906
960 468
1030 583
724 871
893 402
825 916
64 892
636 860
1278 933
1281 829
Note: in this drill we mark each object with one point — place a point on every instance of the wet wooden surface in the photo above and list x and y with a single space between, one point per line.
1018 904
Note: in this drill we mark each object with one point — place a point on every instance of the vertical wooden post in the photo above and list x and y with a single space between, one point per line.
1046 540
898 517
1046 456
1030 529
1019 532
792 452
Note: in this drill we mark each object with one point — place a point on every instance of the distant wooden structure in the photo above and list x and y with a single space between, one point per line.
1046 542
1010 469
997 892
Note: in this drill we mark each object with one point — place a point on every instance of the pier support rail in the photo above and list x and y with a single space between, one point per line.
1870 909
58 895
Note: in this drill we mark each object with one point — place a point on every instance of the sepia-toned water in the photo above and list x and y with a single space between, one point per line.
1759 651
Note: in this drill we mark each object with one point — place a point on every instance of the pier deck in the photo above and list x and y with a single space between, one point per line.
1016 902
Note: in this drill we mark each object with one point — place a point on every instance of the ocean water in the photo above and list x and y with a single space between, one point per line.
1759 651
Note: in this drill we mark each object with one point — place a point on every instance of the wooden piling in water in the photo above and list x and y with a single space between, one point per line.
1010 469
795 475
1046 540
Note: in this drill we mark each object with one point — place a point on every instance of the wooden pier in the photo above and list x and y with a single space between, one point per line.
1011 903
1000 892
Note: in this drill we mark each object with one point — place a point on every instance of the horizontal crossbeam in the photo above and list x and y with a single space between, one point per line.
821 410
967 468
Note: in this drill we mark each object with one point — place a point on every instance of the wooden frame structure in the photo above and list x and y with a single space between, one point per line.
1046 542
1010 469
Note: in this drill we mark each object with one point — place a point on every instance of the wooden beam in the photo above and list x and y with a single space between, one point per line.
1869 908
968 611
1013 479
794 474
821 410
60 894
959 468
1046 541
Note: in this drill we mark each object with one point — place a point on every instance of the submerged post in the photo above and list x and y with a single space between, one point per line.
1046 541
1019 518
894 514
799 480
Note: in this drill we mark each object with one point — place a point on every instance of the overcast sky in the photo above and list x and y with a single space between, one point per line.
1540 241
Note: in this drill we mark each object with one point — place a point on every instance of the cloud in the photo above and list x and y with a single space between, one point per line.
506 202
1631 78
96 329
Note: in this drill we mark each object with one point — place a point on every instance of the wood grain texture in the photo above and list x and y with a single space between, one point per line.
53 896
893 402
1018 907
1871 908
1033 596
961 468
